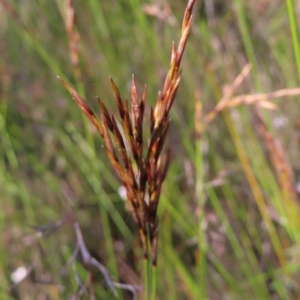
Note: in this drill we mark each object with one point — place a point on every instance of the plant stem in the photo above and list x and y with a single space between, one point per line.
146 277
202 248
153 282
293 25
200 196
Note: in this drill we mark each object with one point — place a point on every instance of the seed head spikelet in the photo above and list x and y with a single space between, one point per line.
83 105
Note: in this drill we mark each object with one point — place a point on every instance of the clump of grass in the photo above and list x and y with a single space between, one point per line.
141 166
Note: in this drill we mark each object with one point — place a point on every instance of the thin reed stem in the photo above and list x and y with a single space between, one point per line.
146 278
200 198
153 281
294 31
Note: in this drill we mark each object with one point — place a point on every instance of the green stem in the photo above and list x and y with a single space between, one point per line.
202 248
153 282
295 38
146 277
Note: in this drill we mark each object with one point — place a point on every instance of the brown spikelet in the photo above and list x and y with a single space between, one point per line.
127 127
83 106
117 98
183 40
187 16
135 112
142 106
139 136
160 142
119 142
152 120
172 95
110 152
105 115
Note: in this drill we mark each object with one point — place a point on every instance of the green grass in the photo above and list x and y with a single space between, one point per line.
231 240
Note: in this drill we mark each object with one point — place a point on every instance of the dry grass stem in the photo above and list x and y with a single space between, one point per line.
261 100
74 38
229 91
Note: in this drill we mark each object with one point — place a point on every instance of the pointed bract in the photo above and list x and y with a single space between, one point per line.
83 105
117 98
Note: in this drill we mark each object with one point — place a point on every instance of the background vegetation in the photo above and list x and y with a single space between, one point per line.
229 207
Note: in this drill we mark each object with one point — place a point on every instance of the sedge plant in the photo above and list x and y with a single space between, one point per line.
141 166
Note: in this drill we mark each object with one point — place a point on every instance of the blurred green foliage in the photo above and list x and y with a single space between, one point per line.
216 244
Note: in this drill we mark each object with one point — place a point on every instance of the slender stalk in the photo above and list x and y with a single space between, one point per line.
295 38
242 20
257 193
153 281
146 278
200 196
